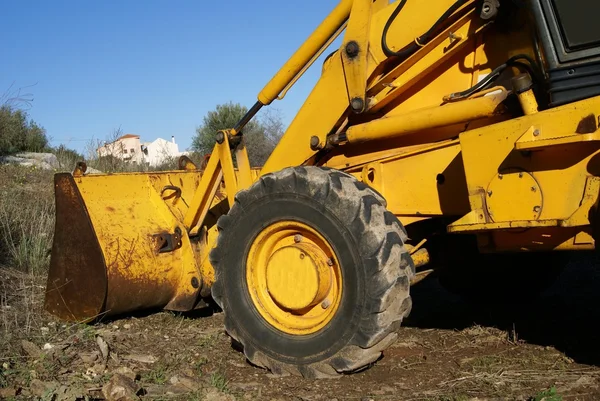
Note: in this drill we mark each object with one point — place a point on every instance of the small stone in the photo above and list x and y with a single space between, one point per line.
141 358
246 386
215 395
116 327
31 349
185 382
89 358
45 330
127 326
120 388
69 393
103 347
39 388
48 346
127 372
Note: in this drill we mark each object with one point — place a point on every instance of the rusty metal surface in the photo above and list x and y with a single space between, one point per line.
76 287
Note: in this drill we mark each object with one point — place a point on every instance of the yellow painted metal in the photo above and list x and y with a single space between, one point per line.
310 119
298 276
436 170
581 216
450 43
355 53
420 276
528 102
420 257
514 195
294 278
561 169
306 52
312 60
537 138
324 110
204 195
229 176
129 215
219 167
137 249
427 118
244 176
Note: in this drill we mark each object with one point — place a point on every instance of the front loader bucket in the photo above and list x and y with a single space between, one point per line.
119 247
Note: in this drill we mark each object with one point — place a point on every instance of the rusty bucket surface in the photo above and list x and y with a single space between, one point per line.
118 245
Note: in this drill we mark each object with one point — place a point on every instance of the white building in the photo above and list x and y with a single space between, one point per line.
159 151
129 147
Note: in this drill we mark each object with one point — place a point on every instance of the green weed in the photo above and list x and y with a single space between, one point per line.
219 381
547 395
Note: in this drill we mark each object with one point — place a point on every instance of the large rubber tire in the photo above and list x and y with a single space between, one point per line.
376 269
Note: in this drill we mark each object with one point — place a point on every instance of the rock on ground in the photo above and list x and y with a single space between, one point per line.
120 388
46 161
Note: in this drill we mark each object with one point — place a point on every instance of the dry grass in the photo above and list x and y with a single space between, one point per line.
26 231
26 218
21 298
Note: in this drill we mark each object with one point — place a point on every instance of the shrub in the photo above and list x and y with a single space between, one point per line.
20 134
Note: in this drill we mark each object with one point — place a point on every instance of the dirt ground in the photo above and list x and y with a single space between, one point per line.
447 350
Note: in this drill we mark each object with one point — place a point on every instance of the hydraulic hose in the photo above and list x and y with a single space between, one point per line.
496 72
421 40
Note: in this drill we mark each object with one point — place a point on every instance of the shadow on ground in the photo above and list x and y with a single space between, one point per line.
566 316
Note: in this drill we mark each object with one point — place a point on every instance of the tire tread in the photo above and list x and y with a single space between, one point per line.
380 238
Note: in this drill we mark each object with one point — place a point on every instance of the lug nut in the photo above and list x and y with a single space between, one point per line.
297 238
329 262
325 304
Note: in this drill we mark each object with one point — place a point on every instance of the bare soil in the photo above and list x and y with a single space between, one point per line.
447 350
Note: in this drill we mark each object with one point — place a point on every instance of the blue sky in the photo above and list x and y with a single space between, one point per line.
152 68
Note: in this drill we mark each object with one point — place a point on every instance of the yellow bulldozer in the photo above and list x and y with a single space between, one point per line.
444 136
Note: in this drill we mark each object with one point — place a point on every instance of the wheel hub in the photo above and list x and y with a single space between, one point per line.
293 278
298 276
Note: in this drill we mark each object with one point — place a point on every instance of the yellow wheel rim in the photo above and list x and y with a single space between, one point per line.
294 278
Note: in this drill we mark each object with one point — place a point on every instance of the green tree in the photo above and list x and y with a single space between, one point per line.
18 133
260 134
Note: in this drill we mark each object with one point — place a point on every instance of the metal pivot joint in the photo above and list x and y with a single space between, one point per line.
357 105
167 242
489 9
352 49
